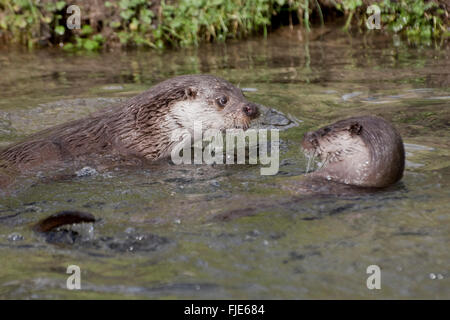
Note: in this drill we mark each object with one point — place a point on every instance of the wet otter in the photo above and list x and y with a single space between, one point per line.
362 151
359 155
142 127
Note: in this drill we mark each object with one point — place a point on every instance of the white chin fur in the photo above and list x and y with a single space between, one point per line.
187 112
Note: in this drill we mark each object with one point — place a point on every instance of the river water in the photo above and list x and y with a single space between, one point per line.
226 231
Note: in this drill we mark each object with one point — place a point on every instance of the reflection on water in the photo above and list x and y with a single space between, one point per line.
161 230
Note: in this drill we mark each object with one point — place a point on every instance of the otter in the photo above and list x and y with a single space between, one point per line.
359 155
141 127
364 151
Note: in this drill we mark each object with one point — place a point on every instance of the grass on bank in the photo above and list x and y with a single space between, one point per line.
165 23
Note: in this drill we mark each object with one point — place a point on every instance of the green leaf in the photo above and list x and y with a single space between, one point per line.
134 24
127 14
86 30
68 47
21 23
98 38
60 5
114 24
159 44
91 45
59 30
124 4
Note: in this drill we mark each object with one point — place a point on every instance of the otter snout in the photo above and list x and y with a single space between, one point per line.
250 110
310 140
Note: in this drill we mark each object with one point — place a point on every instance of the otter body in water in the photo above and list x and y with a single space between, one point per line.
363 151
141 127
359 155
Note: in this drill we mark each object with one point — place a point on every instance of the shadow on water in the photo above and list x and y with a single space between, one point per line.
200 231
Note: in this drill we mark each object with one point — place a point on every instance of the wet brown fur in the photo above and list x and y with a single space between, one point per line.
383 142
134 129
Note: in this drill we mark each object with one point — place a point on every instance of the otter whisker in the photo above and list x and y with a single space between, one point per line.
372 157
310 157
325 162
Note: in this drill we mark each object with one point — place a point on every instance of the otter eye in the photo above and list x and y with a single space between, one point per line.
355 128
222 101
325 131
315 143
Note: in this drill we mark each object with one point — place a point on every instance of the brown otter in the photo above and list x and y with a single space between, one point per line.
363 151
359 155
141 127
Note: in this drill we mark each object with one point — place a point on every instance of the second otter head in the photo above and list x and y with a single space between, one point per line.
364 151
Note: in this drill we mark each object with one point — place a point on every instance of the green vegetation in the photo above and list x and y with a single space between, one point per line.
416 17
27 22
164 23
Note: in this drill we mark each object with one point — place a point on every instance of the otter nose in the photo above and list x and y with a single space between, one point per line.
309 136
309 140
250 110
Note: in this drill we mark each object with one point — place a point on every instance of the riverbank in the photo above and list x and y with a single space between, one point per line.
178 23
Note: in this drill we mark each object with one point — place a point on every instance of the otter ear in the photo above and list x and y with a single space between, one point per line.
355 128
191 93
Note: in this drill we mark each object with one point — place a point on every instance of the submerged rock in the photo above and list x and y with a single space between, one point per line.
273 119
63 218
15 237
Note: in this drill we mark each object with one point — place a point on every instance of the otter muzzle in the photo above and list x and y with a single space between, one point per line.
250 110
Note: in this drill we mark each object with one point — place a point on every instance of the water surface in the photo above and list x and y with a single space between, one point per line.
162 233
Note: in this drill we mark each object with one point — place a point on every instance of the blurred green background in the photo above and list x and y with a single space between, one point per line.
172 23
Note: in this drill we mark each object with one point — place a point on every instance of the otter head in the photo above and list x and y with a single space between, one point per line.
160 115
364 151
211 102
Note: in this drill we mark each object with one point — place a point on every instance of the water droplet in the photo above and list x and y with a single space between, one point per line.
107 175
15 237
130 230
86 172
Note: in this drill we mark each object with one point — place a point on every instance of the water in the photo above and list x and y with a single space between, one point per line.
226 231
